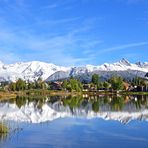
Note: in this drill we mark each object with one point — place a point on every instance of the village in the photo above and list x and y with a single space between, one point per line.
113 84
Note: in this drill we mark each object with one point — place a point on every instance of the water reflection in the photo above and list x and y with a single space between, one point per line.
113 103
41 109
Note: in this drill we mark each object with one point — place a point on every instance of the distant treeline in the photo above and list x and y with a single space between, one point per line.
72 84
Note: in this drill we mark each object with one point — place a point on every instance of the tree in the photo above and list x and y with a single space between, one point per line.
100 85
106 85
72 85
116 83
64 84
12 86
40 84
137 81
95 79
76 85
31 85
20 85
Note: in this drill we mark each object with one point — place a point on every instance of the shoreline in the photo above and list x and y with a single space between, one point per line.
9 95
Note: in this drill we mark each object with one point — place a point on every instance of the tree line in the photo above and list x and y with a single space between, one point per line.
72 84
21 85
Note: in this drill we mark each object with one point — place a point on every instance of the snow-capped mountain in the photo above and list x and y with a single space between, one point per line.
49 112
122 68
35 69
122 65
28 70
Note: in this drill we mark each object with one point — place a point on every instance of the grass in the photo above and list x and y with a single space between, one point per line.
115 92
3 128
7 95
41 92
133 93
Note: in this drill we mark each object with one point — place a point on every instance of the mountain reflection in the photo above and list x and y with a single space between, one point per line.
40 109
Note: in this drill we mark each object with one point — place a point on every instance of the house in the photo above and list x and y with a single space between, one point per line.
86 87
141 88
57 85
127 86
89 87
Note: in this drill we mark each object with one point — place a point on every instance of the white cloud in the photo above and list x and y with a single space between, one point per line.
124 46
57 48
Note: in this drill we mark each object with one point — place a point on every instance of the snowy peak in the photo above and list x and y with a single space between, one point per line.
35 69
124 65
29 70
125 62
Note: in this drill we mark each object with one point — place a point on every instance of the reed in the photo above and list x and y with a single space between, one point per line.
3 128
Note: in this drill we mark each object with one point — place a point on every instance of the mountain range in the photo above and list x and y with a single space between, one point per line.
33 70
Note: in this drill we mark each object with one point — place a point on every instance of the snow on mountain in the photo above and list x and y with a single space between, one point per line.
1 63
122 65
28 71
49 112
33 70
122 68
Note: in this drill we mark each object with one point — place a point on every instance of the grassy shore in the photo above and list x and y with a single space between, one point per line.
7 95
114 92
37 92
41 92
133 93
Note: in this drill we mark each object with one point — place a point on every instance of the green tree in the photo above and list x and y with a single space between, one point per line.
12 86
106 85
31 85
137 81
20 85
95 79
116 83
100 85
40 84
72 85
64 84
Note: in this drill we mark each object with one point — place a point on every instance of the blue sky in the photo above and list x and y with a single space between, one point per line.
73 32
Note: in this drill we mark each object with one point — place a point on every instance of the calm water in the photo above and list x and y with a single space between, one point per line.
76 122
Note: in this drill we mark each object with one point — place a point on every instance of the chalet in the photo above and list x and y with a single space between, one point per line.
86 87
89 87
57 85
126 86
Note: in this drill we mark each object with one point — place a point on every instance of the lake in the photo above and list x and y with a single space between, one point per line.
60 121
